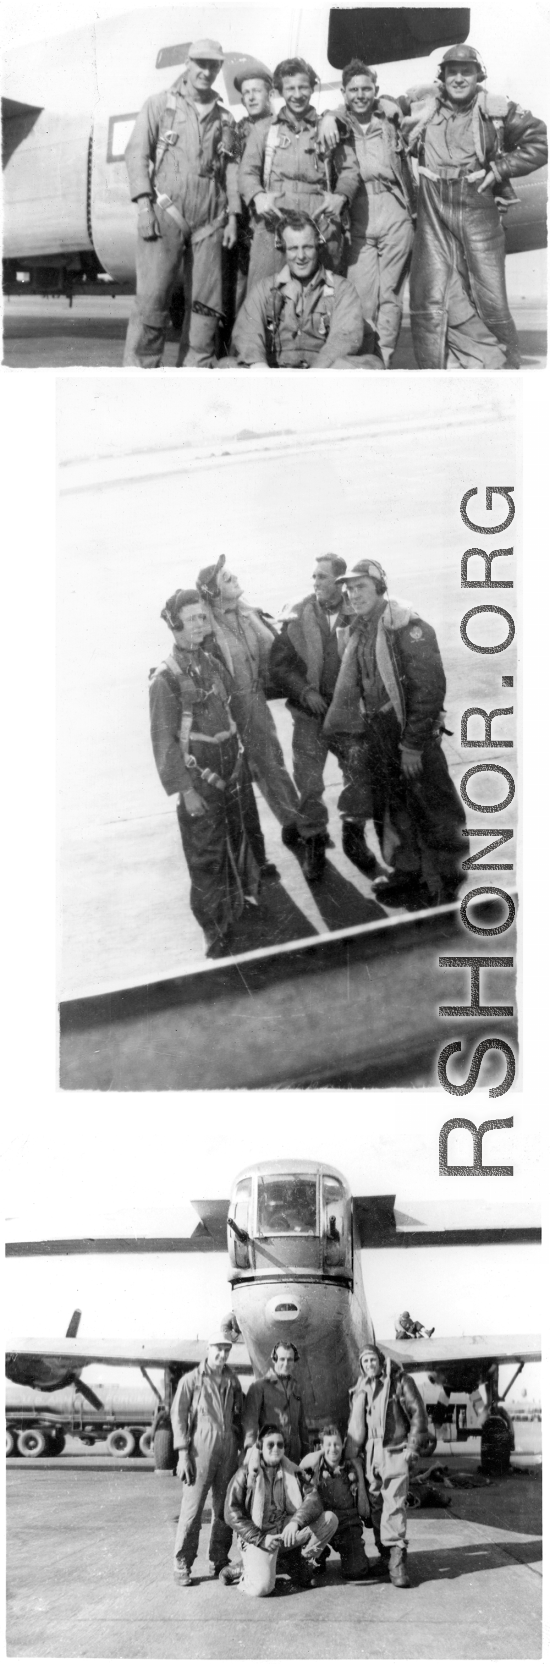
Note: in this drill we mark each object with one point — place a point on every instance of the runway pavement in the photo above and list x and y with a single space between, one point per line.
89 1565
49 333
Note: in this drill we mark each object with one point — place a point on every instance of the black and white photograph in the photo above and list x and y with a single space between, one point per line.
296 1417
311 187
287 737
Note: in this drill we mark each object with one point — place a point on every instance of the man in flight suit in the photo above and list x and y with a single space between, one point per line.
255 84
276 1398
470 144
305 663
285 165
388 1422
206 1422
303 317
198 755
182 168
381 227
389 700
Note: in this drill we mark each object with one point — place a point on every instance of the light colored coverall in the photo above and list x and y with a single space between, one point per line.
381 228
291 325
197 171
206 1421
298 176
389 1422
249 642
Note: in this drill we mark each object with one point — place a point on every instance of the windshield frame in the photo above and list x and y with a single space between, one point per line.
264 1183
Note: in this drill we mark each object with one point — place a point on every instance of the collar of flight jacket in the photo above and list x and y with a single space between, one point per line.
318 280
310 118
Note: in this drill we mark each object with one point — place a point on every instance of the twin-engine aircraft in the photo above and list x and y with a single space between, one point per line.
294 1235
70 104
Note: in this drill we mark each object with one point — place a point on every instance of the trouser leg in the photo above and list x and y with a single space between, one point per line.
349 1544
259 1571
220 1533
395 240
202 283
191 1512
437 817
309 754
205 848
470 344
251 817
395 1485
265 259
157 267
317 1536
373 1477
259 736
483 243
432 266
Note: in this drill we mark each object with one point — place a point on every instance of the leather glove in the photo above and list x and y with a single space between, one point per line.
186 1468
148 226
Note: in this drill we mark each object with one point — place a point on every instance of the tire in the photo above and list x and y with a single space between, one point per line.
146 1442
497 1443
32 1442
11 1442
121 1442
163 1447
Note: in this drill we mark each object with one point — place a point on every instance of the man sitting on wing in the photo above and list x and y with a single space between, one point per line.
302 317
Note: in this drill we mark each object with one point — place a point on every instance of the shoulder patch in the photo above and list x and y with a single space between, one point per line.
416 634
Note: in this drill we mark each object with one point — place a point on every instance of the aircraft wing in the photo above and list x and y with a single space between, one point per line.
149 1353
442 1350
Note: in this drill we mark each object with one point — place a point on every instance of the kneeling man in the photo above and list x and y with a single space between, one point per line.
341 1487
277 1516
303 317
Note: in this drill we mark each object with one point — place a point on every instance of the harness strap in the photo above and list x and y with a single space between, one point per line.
169 137
202 231
272 142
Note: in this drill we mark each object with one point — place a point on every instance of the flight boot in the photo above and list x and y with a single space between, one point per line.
355 846
182 1575
398 1567
403 890
380 1567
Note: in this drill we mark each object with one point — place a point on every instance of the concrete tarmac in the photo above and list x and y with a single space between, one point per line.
90 1576
49 333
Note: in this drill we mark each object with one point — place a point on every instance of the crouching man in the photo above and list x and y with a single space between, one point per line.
279 1519
388 1422
304 317
341 1486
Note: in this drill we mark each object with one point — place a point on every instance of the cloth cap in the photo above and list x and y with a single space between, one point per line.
463 55
254 70
219 1339
206 49
366 569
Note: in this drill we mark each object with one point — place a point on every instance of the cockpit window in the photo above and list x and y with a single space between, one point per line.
287 1206
335 1229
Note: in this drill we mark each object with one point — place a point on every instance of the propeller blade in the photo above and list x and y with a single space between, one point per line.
74 1325
88 1394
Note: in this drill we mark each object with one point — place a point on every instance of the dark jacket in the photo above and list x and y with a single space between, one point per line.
272 1399
406 1421
193 686
288 670
342 1489
513 141
416 686
240 1498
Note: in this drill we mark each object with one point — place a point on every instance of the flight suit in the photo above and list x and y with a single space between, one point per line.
287 324
206 1421
390 692
381 228
193 689
276 1399
249 641
305 656
298 174
342 1492
388 1422
460 315
188 160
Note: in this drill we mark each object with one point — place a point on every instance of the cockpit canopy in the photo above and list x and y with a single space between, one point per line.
284 1217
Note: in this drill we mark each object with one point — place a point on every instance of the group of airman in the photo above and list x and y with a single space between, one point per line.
292 231
363 679
286 1503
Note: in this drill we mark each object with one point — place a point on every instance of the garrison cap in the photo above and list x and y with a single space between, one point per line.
463 55
365 569
254 70
206 49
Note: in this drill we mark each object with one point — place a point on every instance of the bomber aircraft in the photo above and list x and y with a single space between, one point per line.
294 1234
70 104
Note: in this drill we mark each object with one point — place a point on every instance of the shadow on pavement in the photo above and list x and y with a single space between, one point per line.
340 904
430 1565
